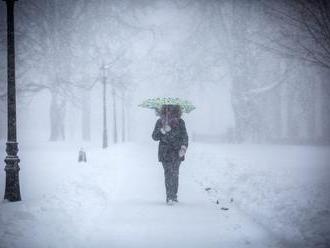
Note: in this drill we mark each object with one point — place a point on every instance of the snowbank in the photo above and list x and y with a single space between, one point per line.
60 196
284 188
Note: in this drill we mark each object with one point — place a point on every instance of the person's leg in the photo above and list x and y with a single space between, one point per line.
170 181
175 179
167 176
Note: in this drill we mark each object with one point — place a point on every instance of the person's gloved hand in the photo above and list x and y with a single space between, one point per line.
165 129
182 151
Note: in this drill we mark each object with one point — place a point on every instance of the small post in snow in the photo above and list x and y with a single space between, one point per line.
82 156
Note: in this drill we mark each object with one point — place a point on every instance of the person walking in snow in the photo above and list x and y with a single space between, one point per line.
170 131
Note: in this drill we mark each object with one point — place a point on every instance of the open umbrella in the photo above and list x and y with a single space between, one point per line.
157 103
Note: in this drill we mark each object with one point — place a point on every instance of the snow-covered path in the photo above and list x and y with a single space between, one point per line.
138 216
116 200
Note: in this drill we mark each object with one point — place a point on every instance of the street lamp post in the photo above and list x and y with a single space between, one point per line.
115 138
12 190
104 82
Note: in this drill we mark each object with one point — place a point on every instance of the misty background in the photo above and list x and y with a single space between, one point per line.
257 167
243 64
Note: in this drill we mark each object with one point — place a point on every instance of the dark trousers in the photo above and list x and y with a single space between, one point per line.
171 172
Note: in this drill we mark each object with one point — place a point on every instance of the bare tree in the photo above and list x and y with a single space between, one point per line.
235 25
304 33
45 53
304 28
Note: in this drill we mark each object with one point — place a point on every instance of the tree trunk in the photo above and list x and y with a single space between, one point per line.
311 113
239 73
123 122
105 127
325 107
293 117
114 114
284 103
86 117
318 110
57 116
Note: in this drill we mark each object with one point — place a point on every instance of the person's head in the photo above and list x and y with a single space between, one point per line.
172 111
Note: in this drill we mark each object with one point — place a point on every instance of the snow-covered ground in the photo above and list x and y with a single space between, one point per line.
276 197
283 188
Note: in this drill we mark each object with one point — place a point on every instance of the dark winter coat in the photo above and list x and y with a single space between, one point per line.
171 142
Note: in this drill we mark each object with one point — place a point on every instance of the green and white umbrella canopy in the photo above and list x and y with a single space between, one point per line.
157 103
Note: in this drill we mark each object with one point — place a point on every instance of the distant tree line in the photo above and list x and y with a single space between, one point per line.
275 54
56 42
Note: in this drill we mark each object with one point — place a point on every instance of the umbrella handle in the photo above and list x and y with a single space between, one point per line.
166 116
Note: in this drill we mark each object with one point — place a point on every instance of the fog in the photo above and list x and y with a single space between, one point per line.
256 71
216 54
